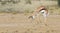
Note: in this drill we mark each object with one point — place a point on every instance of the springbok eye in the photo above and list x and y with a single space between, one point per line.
42 12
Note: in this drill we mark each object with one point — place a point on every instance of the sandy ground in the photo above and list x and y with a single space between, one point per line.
19 23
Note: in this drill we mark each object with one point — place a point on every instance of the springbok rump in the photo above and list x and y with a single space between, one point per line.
43 10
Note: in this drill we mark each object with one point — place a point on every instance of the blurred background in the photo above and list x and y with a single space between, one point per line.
27 6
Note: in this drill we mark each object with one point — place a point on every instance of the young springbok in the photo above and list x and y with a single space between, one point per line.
41 9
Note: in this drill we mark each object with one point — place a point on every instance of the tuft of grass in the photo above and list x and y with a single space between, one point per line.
26 12
31 11
47 31
52 30
29 31
3 3
28 2
14 12
25 32
46 24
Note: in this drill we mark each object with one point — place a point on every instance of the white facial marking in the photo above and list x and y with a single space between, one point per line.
44 13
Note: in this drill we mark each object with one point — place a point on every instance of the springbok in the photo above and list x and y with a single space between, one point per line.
41 9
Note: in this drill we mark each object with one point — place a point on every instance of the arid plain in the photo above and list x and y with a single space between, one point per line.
19 23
